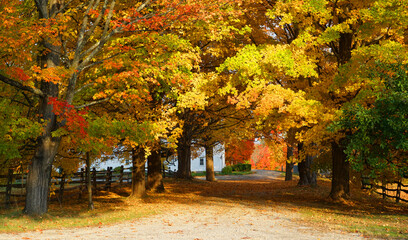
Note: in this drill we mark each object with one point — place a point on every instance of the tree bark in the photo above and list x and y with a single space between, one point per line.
88 182
289 164
311 175
306 175
154 176
209 163
340 188
39 174
341 168
184 162
303 180
38 179
184 153
138 173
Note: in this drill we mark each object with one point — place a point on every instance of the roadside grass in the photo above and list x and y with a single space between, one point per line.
364 213
110 208
379 225
201 174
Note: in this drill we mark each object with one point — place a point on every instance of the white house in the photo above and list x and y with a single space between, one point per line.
197 161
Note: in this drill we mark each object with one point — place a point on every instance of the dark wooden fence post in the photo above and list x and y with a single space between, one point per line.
164 171
384 193
62 186
398 194
121 175
81 183
108 178
86 177
94 180
9 187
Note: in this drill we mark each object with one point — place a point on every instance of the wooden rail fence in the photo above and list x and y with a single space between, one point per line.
386 188
13 185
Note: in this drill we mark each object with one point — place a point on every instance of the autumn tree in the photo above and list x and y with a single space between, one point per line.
201 108
310 71
71 40
239 151
376 146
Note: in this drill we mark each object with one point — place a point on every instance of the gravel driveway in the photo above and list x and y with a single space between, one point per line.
216 219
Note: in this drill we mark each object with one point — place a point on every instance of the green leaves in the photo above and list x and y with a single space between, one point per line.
15 130
267 62
378 142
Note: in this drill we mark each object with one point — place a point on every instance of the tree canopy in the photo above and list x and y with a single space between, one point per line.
87 76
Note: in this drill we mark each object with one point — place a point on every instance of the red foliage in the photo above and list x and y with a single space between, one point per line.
239 152
17 73
269 158
75 122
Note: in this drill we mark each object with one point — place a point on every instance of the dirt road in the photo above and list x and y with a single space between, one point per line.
210 218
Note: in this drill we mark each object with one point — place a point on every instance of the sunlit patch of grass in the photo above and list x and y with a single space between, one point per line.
373 225
109 209
364 213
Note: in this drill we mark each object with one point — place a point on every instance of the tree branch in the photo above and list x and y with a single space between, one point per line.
19 85
92 103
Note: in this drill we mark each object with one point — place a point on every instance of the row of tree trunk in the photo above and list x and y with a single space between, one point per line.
154 166
139 184
307 176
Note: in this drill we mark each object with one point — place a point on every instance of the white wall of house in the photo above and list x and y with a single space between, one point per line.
99 165
197 163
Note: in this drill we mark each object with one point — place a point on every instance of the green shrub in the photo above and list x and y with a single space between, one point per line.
241 167
226 170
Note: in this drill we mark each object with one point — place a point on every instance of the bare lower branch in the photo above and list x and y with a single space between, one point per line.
19 85
62 9
83 87
143 5
92 103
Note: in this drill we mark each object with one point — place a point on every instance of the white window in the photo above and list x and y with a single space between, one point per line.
201 161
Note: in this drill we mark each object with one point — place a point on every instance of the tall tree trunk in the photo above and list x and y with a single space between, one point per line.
138 173
154 176
340 188
303 180
311 175
40 168
184 153
184 162
341 168
306 175
39 174
289 164
38 179
209 163
88 182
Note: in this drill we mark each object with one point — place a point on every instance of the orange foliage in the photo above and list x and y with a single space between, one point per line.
269 157
239 151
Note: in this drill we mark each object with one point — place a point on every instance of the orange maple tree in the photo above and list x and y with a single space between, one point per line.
92 53
239 151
